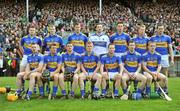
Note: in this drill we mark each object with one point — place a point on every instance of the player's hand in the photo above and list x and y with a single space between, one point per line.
25 77
154 76
172 62
134 75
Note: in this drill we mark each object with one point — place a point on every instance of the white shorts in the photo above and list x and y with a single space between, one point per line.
24 61
165 61
91 74
112 74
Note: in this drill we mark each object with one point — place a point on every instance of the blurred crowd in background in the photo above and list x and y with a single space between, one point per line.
63 13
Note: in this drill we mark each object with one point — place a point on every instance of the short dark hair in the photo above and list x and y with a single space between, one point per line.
120 23
110 44
68 43
131 41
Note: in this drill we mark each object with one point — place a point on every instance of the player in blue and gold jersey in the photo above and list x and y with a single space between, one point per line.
78 39
120 39
141 40
25 46
54 39
52 62
111 68
33 70
163 47
132 66
152 68
71 64
90 67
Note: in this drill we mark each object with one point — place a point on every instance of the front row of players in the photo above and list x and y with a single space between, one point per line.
88 66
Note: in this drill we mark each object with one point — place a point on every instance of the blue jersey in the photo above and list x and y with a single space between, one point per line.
70 61
78 42
53 39
131 61
27 41
120 42
52 62
111 63
89 61
141 44
34 60
152 61
162 44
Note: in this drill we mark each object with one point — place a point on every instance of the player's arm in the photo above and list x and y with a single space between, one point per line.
121 68
138 69
21 46
145 68
77 69
83 69
102 68
97 68
171 53
124 69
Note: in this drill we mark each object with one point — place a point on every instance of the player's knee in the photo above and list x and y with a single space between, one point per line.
61 77
56 77
143 79
149 79
75 78
124 79
99 77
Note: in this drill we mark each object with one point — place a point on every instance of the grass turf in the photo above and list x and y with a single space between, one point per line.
92 105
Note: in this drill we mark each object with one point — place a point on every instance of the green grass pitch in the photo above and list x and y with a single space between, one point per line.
91 105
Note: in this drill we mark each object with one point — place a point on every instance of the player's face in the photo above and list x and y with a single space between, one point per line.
52 30
111 49
120 27
34 48
53 50
77 28
69 47
99 28
32 31
142 30
160 29
89 47
132 46
152 46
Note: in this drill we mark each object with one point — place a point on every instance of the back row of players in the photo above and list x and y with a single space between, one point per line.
98 58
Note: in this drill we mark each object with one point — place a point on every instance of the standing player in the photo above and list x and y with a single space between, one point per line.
163 47
33 70
52 62
78 39
132 66
71 63
152 68
100 41
120 40
141 41
25 46
111 68
54 39
90 67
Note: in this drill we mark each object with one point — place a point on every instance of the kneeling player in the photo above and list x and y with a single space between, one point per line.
152 67
111 68
132 66
90 66
71 64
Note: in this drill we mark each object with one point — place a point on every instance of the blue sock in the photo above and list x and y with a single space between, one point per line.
159 91
63 92
124 90
96 89
55 88
116 92
148 89
82 92
41 90
72 93
30 93
104 91
35 89
139 90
